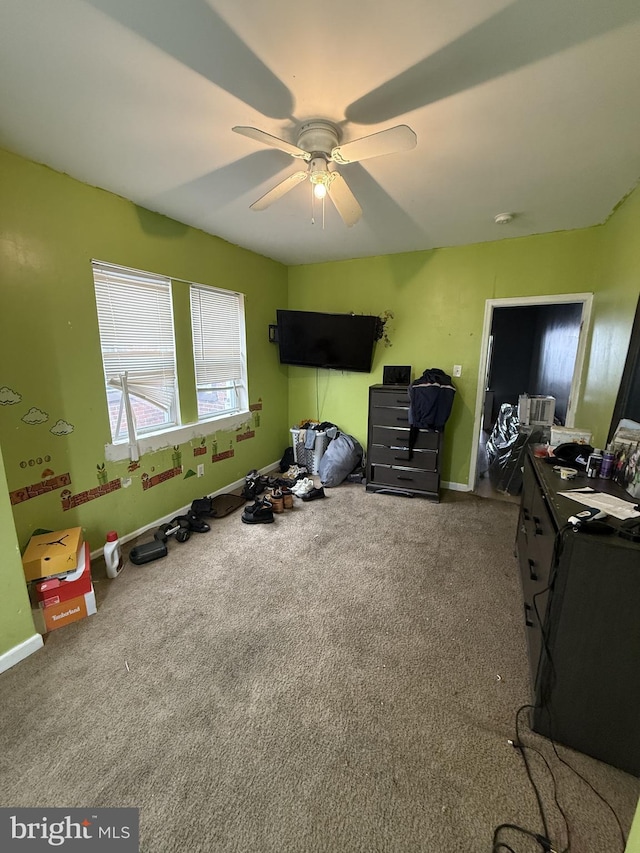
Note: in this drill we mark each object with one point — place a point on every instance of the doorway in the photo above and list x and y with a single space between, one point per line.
534 346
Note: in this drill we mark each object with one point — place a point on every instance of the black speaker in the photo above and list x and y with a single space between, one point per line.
393 374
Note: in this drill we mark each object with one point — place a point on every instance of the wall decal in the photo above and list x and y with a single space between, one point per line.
133 466
225 454
256 407
70 501
8 397
245 435
61 428
200 451
47 473
176 456
35 416
148 482
256 418
218 457
190 473
37 489
102 474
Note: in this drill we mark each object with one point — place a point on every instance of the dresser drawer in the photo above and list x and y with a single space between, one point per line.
425 460
390 417
390 398
404 478
399 437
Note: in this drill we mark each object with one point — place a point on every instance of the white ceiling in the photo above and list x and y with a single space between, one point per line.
523 106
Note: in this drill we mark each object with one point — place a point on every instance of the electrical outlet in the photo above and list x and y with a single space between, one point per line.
457 370
201 470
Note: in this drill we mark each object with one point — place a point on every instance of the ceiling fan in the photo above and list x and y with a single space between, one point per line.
317 143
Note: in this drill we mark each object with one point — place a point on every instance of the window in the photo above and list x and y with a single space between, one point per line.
135 317
141 368
218 352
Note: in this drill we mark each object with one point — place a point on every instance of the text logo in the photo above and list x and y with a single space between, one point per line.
101 830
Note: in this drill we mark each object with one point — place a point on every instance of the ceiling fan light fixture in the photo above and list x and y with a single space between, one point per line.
319 190
503 218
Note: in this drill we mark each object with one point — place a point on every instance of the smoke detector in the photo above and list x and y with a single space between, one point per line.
503 218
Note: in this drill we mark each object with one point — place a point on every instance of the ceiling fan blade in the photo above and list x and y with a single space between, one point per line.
344 200
398 138
278 191
268 139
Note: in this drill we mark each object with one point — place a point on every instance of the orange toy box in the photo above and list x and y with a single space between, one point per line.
61 601
52 554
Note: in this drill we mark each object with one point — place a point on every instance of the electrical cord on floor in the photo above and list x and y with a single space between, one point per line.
597 793
500 845
522 746
543 841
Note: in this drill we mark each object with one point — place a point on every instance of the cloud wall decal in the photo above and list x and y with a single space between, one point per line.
9 397
61 428
35 416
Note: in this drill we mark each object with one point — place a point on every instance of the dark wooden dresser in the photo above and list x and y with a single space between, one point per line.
391 466
581 594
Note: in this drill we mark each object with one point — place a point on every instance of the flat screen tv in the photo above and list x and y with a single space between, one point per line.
337 341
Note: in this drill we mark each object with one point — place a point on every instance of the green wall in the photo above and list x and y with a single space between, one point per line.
16 624
51 226
438 300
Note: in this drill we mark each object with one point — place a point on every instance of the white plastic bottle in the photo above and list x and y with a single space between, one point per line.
112 555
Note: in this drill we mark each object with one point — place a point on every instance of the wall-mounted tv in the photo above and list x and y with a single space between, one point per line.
337 341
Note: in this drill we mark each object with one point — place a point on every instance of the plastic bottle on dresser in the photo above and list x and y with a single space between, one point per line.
608 458
594 463
112 556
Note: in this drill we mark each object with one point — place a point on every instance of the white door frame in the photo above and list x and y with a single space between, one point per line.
587 302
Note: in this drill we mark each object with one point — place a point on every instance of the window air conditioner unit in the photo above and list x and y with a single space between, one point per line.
536 411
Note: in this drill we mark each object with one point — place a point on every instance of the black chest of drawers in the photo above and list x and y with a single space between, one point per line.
391 466
581 595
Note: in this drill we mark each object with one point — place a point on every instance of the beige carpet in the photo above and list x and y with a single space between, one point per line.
344 679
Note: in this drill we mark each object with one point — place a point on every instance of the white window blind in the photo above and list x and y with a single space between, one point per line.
217 323
135 318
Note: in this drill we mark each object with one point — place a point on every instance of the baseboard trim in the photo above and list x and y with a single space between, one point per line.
20 652
181 510
457 487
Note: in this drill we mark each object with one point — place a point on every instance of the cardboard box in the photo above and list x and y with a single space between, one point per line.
52 554
563 435
52 591
58 615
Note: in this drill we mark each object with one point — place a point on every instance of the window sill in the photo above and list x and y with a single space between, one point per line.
175 435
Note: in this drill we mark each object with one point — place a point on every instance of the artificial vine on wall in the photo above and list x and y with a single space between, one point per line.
382 328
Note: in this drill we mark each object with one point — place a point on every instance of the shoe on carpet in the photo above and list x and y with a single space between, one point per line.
287 498
314 494
302 487
261 512
276 499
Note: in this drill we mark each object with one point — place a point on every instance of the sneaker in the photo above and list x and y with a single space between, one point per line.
254 485
302 487
314 494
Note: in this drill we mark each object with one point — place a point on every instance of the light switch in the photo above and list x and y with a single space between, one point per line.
457 370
